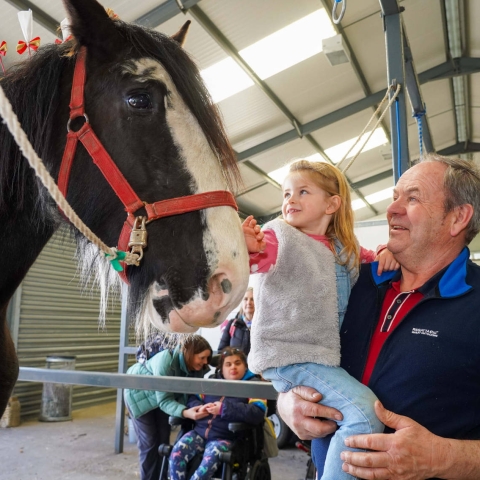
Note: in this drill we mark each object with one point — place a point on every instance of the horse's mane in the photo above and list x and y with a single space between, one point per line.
33 90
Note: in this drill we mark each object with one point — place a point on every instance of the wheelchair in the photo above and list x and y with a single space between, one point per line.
246 460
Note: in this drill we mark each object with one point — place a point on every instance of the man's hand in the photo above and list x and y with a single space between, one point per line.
411 453
386 261
253 235
300 410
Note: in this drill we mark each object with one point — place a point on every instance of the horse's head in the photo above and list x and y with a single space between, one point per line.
148 106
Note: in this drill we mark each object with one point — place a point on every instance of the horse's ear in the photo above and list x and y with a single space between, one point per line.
181 35
92 27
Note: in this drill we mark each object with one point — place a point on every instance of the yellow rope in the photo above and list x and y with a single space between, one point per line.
394 96
11 120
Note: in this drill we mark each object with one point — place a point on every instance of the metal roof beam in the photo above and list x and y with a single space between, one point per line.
394 46
328 5
39 15
460 147
164 12
463 66
228 47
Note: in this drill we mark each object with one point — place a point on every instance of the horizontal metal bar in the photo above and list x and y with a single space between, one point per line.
229 388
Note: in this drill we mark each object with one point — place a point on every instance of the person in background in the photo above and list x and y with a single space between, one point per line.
211 435
236 332
150 409
413 337
305 265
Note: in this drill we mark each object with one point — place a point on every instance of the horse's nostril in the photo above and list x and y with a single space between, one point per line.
226 285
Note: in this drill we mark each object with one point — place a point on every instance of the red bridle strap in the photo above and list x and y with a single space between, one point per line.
92 144
132 203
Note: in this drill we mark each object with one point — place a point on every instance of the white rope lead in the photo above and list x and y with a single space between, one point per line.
11 120
394 96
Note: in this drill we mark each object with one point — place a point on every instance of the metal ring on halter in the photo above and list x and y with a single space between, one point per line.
85 116
337 20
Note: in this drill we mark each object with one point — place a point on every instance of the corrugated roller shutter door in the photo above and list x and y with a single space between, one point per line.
57 318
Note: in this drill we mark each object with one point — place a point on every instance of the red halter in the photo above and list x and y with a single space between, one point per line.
134 233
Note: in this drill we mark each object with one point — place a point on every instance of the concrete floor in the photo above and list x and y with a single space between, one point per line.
82 449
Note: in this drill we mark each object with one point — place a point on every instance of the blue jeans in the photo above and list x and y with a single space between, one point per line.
340 391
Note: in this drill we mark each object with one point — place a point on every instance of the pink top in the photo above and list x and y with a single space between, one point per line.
264 261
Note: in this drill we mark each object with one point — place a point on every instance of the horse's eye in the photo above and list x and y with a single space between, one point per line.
140 100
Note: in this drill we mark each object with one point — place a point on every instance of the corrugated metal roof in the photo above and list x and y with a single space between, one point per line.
312 89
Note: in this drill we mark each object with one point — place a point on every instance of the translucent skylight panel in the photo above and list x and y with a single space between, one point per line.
337 152
290 45
277 52
225 79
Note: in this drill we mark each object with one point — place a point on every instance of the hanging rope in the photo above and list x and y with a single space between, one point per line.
336 20
419 117
11 120
394 96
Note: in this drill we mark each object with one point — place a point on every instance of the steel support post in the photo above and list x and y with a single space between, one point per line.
122 368
396 76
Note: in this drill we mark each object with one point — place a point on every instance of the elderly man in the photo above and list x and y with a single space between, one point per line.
413 337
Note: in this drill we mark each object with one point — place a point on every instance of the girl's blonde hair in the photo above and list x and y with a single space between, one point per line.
333 182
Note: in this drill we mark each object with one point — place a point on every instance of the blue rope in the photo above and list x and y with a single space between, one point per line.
399 147
419 117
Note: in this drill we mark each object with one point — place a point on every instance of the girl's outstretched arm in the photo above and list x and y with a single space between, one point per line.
254 237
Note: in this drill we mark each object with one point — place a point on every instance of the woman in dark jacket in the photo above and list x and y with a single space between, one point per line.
236 332
211 434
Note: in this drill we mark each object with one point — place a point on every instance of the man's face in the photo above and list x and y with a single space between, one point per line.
418 225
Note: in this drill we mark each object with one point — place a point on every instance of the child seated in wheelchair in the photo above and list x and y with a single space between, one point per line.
211 435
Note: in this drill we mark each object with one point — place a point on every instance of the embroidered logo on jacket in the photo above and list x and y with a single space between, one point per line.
424 331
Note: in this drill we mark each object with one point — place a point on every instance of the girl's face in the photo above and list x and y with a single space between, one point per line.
306 206
199 360
233 368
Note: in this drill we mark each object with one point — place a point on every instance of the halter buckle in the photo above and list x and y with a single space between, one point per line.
138 238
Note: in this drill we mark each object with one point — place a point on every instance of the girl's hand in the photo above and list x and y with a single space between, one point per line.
204 408
214 408
253 235
194 413
386 261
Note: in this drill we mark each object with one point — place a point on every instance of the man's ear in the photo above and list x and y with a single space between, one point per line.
334 203
461 218
181 35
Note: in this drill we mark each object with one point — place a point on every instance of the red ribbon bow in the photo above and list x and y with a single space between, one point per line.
3 48
59 42
33 44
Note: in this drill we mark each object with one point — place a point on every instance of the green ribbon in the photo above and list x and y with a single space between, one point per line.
116 261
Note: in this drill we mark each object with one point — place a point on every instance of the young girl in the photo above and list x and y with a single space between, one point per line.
211 434
308 262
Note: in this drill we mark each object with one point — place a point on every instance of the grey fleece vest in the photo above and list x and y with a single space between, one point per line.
296 312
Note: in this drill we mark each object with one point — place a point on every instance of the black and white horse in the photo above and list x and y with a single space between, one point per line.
149 108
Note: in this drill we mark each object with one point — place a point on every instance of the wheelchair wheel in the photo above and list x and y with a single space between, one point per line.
260 471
